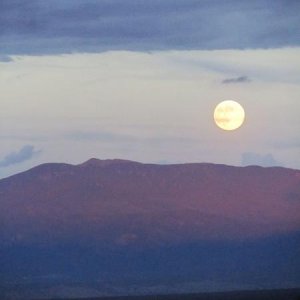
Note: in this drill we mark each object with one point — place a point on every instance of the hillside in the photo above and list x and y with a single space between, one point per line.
116 224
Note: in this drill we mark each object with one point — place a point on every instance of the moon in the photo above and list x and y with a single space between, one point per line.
229 115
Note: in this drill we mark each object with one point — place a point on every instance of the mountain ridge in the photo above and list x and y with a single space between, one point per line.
96 162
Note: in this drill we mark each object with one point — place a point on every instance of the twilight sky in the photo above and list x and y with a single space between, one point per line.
139 80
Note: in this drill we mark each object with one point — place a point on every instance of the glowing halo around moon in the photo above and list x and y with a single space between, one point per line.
229 115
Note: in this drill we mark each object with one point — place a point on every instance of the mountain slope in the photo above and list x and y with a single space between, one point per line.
124 202
115 224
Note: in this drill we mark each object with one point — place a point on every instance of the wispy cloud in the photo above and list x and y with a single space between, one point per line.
24 154
293 142
5 58
64 26
239 79
103 136
106 136
264 160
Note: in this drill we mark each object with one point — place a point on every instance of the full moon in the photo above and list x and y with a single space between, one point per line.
229 115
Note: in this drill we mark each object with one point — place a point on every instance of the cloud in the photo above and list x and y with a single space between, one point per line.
48 27
293 142
264 160
24 154
5 58
103 136
239 79
114 137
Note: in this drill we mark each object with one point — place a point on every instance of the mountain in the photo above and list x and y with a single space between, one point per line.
114 227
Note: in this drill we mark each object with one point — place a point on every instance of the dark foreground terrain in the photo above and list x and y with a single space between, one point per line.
284 294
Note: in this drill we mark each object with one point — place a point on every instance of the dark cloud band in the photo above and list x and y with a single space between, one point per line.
48 27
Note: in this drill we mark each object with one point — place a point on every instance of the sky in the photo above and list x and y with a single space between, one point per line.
139 80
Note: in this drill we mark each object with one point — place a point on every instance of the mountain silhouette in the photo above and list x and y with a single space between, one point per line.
123 221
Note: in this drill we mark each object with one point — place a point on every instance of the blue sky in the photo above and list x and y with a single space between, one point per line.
139 80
